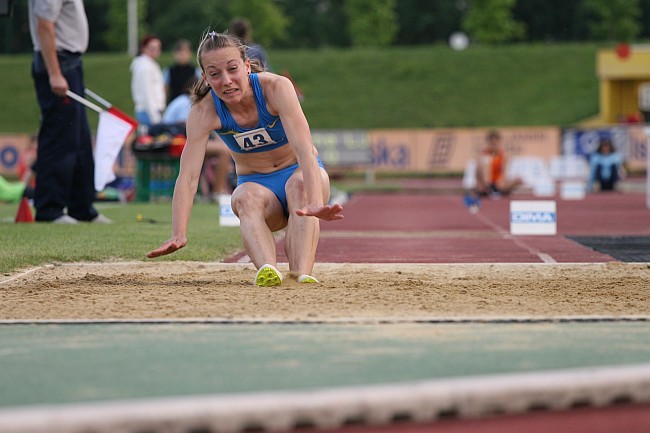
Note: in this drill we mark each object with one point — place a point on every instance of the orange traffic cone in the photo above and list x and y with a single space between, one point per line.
24 214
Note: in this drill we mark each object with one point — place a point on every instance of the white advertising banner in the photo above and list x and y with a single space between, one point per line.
533 217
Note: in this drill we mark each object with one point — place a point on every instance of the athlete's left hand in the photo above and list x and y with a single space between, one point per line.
326 212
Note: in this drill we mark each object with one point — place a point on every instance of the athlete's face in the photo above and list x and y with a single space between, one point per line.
227 74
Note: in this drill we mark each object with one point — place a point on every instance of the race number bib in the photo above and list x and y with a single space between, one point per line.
254 139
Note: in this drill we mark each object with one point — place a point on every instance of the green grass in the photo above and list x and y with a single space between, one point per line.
436 87
28 245
398 87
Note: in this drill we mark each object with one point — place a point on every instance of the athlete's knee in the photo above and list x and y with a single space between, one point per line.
295 187
296 194
246 200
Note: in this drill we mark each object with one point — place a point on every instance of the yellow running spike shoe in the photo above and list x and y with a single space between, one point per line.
307 279
268 276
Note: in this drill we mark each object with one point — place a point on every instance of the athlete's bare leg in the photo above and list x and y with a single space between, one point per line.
303 233
260 214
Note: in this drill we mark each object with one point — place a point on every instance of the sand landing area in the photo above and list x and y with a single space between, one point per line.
180 290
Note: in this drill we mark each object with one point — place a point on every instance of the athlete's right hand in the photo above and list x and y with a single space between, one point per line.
168 247
326 212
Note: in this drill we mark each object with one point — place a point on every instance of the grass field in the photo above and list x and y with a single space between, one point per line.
27 245
410 87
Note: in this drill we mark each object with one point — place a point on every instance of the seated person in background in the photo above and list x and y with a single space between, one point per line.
217 157
606 167
177 110
491 169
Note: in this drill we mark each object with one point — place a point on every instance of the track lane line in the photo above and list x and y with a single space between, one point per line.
546 258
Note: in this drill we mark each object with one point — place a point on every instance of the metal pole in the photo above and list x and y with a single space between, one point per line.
84 101
132 24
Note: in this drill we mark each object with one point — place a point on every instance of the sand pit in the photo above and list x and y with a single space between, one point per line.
178 290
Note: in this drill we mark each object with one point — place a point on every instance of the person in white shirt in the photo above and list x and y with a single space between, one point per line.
65 190
147 83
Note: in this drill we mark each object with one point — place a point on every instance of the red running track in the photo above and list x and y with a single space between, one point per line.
421 228
433 228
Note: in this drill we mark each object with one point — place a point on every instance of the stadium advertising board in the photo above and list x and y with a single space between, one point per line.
420 150
11 147
448 150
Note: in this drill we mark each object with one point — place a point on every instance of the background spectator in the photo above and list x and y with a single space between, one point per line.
606 167
491 169
181 72
147 83
241 28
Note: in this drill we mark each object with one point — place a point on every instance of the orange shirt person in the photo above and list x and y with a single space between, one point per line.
491 171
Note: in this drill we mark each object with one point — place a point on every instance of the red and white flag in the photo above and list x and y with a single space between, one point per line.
112 132
113 128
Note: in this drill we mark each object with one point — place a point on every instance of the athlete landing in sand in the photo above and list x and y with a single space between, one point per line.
281 181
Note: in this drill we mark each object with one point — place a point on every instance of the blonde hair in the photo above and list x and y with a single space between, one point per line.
213 41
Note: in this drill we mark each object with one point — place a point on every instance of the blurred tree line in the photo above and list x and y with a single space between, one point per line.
346 23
